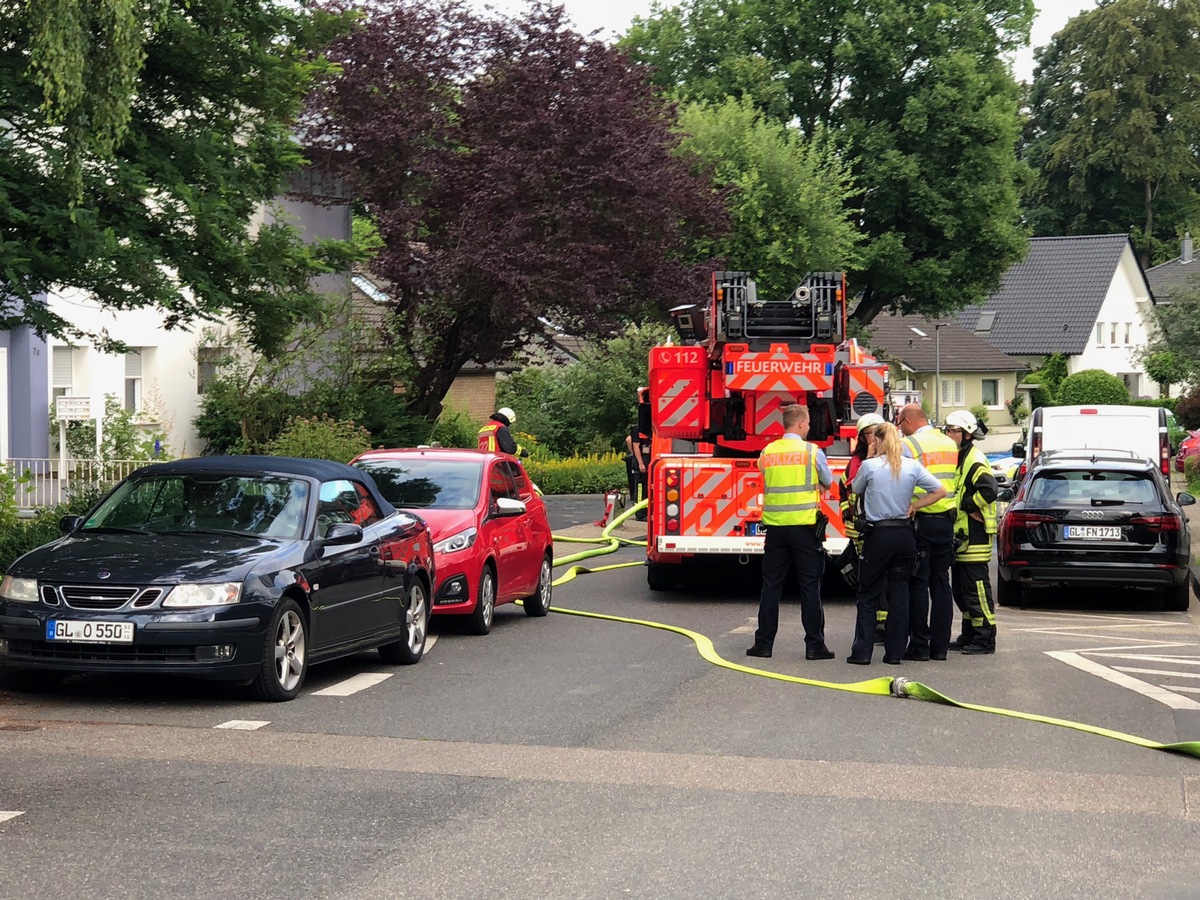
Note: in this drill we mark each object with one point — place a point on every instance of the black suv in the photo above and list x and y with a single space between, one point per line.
1092 517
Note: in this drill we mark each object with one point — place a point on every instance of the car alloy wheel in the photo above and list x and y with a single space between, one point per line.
285 654
485 603
408 651
539 603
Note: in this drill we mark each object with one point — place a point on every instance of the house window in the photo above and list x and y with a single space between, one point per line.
133 380
208 360
953 391
1112 334
1128 333
1099 334
991 392
62 371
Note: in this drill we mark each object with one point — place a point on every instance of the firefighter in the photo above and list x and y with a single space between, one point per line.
495 434
930 598
851 506
974 536
889 484
637 455
794 472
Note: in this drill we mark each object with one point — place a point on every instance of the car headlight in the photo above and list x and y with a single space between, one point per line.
19 590
456 542
222 594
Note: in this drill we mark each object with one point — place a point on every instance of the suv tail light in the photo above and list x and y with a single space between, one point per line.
1158 524
1010 523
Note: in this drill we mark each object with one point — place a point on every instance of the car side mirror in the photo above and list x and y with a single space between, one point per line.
506 506
1018 451
1183 498
342 533
69 524
1005 495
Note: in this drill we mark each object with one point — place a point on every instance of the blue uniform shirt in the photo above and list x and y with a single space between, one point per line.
885 497
824 475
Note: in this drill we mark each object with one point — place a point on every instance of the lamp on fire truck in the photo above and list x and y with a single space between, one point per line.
937 350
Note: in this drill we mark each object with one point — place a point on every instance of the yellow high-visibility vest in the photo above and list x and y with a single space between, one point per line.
975 465
791 492
939 454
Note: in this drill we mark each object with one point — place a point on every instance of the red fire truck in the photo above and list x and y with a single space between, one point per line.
715 401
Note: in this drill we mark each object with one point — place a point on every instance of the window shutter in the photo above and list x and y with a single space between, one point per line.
63 367
133 364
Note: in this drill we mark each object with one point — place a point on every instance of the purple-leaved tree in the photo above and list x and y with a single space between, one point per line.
514 169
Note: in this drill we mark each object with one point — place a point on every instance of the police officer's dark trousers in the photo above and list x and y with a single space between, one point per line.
785 546
887 562
930 601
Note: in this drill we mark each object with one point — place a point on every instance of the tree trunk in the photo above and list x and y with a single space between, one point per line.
871 305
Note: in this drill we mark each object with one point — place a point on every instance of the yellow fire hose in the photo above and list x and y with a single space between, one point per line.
883 686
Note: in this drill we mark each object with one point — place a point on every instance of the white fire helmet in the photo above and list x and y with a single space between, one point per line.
868 419
965 420
508 414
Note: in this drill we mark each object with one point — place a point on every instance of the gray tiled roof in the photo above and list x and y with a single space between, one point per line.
1048 303
1172 278
960 350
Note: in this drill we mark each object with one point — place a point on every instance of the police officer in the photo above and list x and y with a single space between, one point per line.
794 472
851 507
931 602
637 456
974 536
888 483
494 435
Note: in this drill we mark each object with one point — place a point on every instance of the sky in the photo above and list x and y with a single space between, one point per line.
612 17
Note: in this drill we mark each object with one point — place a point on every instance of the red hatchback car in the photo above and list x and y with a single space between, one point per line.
491 535
1189 446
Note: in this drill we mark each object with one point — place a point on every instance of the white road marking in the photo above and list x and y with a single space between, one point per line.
5 816
242 724
430 640
1167 672
1178 660
1154 692
361 682
1186 690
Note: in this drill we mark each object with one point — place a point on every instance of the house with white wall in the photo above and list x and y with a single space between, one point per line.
1084 296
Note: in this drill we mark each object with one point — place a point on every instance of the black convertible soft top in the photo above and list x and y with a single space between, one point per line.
316 469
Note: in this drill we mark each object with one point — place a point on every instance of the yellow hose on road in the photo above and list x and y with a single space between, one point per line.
883 686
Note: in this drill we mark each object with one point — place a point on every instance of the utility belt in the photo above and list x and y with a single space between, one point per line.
951 514
864 526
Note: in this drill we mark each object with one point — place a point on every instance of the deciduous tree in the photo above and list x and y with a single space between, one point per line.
514 170
138 141
920 101
1115 122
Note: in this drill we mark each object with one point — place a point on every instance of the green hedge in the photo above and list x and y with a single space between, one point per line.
28 534
1164 402
579 474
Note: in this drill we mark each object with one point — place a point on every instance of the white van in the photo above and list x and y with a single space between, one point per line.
1141 429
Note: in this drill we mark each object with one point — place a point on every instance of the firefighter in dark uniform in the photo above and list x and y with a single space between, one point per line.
930 599
794 472
637 457
894 490
495 436
974 536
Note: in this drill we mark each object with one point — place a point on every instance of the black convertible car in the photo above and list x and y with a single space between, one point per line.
240 568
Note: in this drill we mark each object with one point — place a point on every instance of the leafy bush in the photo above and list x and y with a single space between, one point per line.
1092 386
980 412
1017 411
122 436
579 474
1187 409
1167 403
1191 471
320 437
455 428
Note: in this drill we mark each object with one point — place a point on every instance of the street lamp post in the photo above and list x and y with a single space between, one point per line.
937 356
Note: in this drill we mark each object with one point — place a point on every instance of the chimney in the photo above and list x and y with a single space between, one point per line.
1186 255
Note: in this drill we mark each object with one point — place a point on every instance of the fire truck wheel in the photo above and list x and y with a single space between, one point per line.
661 578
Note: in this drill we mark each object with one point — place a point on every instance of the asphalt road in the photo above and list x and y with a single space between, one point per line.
575 757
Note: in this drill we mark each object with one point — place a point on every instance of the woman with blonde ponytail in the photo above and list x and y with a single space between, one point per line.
886 482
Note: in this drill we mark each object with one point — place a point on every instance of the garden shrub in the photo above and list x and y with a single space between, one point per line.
320 437
1191 472
1167 403
592 474
455 428
980 412
1187 410
1092 386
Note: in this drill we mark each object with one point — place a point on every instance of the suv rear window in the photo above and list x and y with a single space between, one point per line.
1088 487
